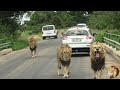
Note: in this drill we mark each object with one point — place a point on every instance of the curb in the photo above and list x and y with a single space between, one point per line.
112 51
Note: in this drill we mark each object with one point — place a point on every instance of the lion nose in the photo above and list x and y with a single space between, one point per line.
97 49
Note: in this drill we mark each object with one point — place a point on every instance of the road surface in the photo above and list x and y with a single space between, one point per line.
20 65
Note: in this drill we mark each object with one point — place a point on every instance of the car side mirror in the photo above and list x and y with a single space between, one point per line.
94 34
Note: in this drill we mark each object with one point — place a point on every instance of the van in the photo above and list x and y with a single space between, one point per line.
49 31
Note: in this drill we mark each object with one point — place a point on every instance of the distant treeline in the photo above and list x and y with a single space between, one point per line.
10 25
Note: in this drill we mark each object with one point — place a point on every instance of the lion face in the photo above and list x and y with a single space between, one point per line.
32 42
66 53
97 50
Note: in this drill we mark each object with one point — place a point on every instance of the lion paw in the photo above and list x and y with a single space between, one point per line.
68 73
65 76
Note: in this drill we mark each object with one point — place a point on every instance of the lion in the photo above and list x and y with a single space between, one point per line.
62 33
32 46
64 59
97 56
113 71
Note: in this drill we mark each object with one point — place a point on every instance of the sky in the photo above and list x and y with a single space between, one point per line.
25 18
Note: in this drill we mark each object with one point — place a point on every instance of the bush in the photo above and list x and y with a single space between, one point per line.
99 37
19 44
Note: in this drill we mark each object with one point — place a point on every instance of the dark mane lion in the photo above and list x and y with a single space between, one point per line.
32 45
97 56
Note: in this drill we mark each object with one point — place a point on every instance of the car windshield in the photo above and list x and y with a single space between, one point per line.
81 25
78 32
48 28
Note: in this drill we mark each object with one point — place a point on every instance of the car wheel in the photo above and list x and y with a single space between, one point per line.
55 36
43 38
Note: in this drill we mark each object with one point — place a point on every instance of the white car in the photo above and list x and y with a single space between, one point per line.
49 31
79 40
82 25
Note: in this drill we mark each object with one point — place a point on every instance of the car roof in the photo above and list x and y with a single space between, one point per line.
48 25
78 29
81 24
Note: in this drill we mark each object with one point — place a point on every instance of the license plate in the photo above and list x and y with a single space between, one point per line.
76 40
48 33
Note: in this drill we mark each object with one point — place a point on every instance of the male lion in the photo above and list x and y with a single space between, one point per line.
64 59
97 56
32 45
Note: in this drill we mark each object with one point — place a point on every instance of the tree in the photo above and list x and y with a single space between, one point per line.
105 20
8 22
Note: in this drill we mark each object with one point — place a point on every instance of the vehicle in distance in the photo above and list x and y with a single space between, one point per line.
79 40
49 31
82 25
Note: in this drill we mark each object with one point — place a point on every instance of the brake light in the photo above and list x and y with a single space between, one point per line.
89 37
65 38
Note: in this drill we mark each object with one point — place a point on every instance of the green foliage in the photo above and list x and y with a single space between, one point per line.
8 24
61 19
99 37
100 34
104 20
19 44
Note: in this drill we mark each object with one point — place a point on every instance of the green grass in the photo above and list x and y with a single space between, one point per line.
19 44
99 37
100 33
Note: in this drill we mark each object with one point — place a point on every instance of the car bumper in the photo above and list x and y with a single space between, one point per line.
80 47
49 35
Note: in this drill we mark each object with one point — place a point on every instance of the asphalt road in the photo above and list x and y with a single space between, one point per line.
20 65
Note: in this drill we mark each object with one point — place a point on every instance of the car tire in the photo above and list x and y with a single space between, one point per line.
55 36
43 38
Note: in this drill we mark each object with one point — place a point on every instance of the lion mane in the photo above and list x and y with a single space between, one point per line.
97 56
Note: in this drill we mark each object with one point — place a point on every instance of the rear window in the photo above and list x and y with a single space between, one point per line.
80 32
48 28
81 25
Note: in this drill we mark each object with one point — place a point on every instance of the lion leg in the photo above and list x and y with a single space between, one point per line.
99 74
68 70
95 74
59 68
33 53
65 72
